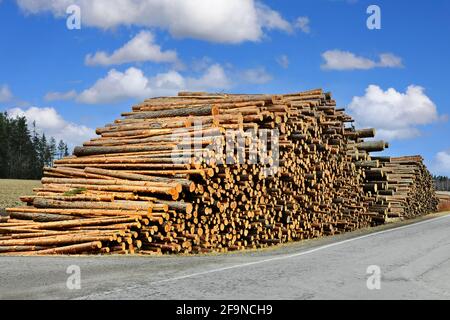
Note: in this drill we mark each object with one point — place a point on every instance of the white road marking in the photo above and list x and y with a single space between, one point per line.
298 254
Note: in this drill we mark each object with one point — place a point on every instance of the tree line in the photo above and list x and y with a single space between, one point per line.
441 183
24 152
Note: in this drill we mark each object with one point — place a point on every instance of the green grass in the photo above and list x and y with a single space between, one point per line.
11 190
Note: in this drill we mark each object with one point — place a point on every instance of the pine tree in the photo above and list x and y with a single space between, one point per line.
52 150
442 183
66 150
23 154
4 146
24 150
36 165
61 149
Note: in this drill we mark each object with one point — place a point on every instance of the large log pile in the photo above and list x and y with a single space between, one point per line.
200 173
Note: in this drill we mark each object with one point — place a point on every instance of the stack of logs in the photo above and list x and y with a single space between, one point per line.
200 173
444 200
403 185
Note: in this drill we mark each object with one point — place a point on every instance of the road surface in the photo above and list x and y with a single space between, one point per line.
413 261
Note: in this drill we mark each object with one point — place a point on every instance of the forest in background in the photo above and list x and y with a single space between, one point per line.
442 183
23 151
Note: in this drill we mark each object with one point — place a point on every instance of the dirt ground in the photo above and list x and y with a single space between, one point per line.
11 190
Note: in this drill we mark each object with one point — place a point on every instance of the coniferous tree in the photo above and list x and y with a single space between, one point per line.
4 147
23 154
66 150
442 183
52 150
61 149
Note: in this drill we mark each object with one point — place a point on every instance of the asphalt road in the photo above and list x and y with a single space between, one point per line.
413 261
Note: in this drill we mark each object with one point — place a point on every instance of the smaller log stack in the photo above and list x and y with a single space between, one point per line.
402 187
368 170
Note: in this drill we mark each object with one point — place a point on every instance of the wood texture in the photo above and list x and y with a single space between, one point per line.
156 182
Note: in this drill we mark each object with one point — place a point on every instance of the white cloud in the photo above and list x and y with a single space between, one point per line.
228 21
345 60
167 84
53 96
117 86
441 163
283 61
389 60
214 78
133 83
395 115
5 93
51 123
257 75
302 23
271 19
139 49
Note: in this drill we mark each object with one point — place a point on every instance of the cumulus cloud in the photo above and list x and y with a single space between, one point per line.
396 115
389 60
139 49
5 93
228 21
214 77
345 60
302 23
133 83
257 75
271 19
283 61
441 163
50 122
117 86
53 96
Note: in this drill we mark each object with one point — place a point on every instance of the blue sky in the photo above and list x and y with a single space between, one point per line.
232 46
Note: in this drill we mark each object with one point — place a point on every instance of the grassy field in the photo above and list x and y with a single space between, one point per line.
11 190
